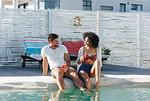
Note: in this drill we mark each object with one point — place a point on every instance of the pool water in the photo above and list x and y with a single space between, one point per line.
110 93
126 93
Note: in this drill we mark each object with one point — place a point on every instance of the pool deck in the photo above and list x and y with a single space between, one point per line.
15 77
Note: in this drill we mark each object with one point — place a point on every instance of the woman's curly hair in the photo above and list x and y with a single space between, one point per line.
94 39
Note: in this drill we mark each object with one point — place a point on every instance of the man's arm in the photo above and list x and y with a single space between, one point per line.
67 59
45 66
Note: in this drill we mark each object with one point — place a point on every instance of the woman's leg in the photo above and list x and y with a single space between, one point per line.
85 77
72 74
96 71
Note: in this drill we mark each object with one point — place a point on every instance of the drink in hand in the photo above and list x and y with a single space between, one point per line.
64 68
85 57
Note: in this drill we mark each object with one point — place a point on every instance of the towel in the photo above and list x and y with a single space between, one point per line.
73 47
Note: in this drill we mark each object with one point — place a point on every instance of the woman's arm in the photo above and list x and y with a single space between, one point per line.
81 60
80 54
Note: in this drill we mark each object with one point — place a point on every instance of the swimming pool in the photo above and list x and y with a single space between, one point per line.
133 92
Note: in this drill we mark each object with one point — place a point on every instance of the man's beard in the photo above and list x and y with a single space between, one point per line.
55 45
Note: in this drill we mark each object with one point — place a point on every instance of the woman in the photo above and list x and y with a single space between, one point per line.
89 59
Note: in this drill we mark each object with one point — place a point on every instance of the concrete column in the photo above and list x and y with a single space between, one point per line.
15 4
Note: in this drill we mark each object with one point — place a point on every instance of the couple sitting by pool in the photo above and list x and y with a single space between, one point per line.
88 61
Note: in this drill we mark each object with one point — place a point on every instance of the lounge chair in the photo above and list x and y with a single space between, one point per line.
73 45
33 48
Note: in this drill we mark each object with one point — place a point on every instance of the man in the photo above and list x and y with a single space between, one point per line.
57 57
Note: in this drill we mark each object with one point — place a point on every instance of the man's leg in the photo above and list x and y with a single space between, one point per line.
58 74
72 74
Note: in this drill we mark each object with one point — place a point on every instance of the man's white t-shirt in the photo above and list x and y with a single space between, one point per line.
55 57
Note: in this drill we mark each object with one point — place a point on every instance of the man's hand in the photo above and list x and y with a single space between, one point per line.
65 68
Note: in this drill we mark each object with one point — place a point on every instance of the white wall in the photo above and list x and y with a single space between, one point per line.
116 4
145 3
71 4
113 3
95 5
126 34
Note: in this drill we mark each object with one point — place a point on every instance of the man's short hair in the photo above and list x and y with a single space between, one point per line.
52 36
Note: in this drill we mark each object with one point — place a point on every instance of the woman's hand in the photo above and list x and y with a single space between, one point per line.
89 61
82 58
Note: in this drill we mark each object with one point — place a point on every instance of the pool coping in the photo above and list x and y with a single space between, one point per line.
15 77
48 82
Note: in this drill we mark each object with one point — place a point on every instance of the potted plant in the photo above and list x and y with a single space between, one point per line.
106 53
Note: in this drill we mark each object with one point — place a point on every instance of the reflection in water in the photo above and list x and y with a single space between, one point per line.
113 93
108 93
72 95
45 97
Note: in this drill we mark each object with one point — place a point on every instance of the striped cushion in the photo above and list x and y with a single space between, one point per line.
73 47
34 46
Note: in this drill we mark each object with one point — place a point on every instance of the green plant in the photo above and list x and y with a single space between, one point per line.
106 51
